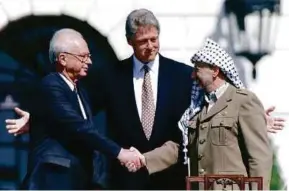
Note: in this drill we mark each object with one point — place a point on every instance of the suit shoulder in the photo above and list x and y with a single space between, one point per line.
179 70
248 97
242 91
246 92
51 79
242 95
177 64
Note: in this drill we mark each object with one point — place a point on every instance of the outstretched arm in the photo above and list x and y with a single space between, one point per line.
158 159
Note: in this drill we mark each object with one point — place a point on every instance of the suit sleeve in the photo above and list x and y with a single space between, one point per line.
253 126
162 157
70 126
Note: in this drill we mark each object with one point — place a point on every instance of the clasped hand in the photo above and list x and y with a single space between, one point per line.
132 159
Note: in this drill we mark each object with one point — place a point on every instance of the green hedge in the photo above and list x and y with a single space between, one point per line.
276 180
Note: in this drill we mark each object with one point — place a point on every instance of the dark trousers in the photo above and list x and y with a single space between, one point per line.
47 176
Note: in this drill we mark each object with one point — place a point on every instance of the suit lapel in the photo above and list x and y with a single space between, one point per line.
71 94
221 103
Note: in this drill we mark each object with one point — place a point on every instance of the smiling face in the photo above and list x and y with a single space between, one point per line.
145 43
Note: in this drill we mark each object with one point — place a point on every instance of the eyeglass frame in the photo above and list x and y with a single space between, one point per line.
84 57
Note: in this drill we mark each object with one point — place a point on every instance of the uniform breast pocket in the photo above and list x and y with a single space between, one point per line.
221 131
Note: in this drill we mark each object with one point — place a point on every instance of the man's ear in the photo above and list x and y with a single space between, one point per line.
62 59
216 71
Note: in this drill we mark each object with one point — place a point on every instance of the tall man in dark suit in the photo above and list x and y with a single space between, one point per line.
62 135
144 97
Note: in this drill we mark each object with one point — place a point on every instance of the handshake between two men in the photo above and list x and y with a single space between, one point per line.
155 160
132 159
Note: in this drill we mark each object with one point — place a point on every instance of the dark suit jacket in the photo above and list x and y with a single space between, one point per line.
62 139
114 90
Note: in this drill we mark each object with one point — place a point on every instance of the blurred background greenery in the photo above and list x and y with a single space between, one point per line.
276 181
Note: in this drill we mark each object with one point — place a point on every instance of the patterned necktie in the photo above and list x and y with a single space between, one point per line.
148 107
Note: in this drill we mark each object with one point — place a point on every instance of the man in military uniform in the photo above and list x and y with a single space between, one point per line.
227 134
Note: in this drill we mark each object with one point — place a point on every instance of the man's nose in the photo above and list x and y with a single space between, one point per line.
89 61
150 45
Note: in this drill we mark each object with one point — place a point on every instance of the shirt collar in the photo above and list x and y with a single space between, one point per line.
153 65
215 95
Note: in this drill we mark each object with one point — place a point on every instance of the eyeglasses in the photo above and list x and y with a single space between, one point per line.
83 58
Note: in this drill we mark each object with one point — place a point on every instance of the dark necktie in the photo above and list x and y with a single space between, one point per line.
148 107
80 103
75 90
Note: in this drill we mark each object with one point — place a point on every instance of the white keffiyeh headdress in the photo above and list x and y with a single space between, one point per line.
213 54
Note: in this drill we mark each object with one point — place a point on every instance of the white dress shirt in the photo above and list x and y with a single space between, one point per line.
138 77
70 84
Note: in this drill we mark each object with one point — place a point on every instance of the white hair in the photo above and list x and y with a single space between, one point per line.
61 42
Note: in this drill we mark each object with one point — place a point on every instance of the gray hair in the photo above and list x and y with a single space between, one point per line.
140 17
60 42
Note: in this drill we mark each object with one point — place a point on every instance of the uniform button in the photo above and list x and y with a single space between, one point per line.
203 126
202 141
202 171
222 123
200 156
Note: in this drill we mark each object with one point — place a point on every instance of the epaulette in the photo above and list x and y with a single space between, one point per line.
242 91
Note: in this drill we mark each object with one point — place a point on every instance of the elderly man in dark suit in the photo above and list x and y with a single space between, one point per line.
62 135
145 95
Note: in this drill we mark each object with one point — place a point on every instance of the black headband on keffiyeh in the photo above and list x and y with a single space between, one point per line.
212 54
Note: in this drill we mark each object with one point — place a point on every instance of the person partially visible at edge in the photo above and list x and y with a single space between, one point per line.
62 134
